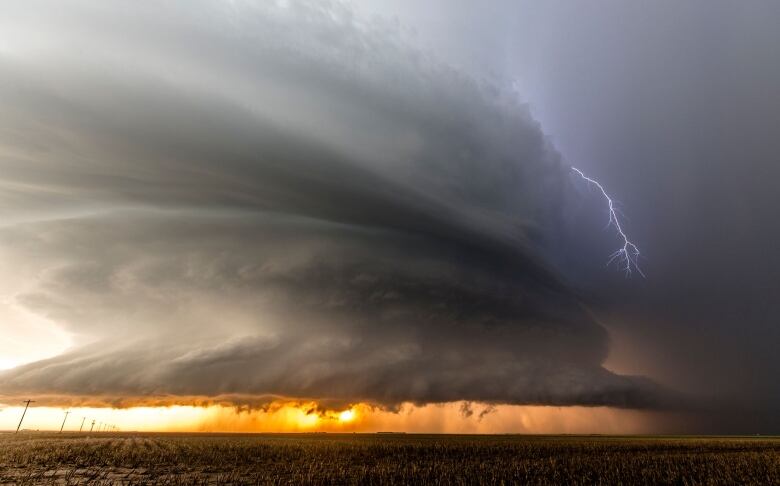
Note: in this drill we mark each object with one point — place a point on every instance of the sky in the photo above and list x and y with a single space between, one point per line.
294 215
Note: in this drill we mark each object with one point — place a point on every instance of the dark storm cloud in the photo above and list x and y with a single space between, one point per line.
688 107
675 107
247 199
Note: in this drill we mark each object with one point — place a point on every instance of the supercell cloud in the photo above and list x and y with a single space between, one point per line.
280 200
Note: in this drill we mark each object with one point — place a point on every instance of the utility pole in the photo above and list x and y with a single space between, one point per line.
67 412
82 423
92 426
26 404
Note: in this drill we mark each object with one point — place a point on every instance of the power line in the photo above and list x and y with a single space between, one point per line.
26 404
67 412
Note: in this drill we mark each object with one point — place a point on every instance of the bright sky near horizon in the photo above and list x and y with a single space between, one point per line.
454 418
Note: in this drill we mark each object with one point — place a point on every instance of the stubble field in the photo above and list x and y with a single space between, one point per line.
135 458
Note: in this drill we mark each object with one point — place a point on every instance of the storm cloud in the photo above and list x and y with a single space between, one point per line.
281 200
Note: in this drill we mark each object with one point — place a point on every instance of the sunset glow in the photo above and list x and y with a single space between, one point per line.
457 417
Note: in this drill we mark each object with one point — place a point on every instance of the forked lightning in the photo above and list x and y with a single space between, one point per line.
627 257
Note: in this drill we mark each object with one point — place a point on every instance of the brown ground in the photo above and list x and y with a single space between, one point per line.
43 458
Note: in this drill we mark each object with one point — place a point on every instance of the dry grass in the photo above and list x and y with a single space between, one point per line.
36 458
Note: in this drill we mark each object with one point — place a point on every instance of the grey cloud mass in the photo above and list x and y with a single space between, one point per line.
253 198
675 107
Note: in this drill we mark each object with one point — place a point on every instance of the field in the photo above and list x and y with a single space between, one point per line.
135 458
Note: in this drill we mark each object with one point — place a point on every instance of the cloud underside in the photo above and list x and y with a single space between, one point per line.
280 201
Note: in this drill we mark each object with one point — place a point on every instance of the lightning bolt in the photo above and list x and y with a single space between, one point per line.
627 257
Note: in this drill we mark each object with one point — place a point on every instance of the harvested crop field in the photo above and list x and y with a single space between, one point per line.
135 458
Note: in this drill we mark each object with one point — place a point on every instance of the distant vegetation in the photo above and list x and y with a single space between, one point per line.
33 458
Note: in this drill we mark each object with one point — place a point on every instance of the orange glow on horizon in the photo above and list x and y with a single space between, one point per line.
456 417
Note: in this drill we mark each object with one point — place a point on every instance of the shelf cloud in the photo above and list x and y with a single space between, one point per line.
280 199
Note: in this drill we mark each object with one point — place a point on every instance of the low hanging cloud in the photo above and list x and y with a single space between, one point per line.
280 200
